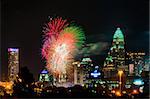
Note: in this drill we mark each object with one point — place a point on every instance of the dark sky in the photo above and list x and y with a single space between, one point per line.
22 23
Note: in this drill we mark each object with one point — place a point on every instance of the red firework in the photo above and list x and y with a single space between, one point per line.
55 26
51 31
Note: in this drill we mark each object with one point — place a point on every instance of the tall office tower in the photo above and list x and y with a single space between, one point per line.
116 56
13 63
76 66
137 59
82 71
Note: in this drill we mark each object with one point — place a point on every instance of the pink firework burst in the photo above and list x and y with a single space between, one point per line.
51 32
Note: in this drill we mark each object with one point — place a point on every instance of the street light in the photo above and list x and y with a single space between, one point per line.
118 93
120 72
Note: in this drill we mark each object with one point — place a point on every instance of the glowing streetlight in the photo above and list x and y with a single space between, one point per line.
118 93
120 72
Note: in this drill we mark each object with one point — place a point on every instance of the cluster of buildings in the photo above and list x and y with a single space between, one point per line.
132 64
85 73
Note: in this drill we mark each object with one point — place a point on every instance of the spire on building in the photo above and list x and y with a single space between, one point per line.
118 34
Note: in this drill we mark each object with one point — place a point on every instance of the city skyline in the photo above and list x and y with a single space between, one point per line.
20 26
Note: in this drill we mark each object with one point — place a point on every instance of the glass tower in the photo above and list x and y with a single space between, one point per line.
13 63
117 50
116 56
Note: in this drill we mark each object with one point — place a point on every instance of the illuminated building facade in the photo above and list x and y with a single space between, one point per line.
13 63
44 76
82 71
116 56
45 79
136 60
131 69
8 88
95 77
78 74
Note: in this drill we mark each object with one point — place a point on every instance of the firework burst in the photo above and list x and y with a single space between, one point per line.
51 31
77 33
60 44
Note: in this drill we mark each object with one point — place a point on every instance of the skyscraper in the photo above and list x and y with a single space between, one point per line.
13 63
116 56
82 70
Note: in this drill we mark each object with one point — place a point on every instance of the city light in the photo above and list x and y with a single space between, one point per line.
8 87
118 93
95 74
135 91
138 82
120 72
113 91
44 72
141 89
13 49
124 92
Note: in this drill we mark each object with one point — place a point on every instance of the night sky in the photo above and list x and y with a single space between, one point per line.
22 23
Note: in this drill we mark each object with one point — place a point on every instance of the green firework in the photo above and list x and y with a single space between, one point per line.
78 34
